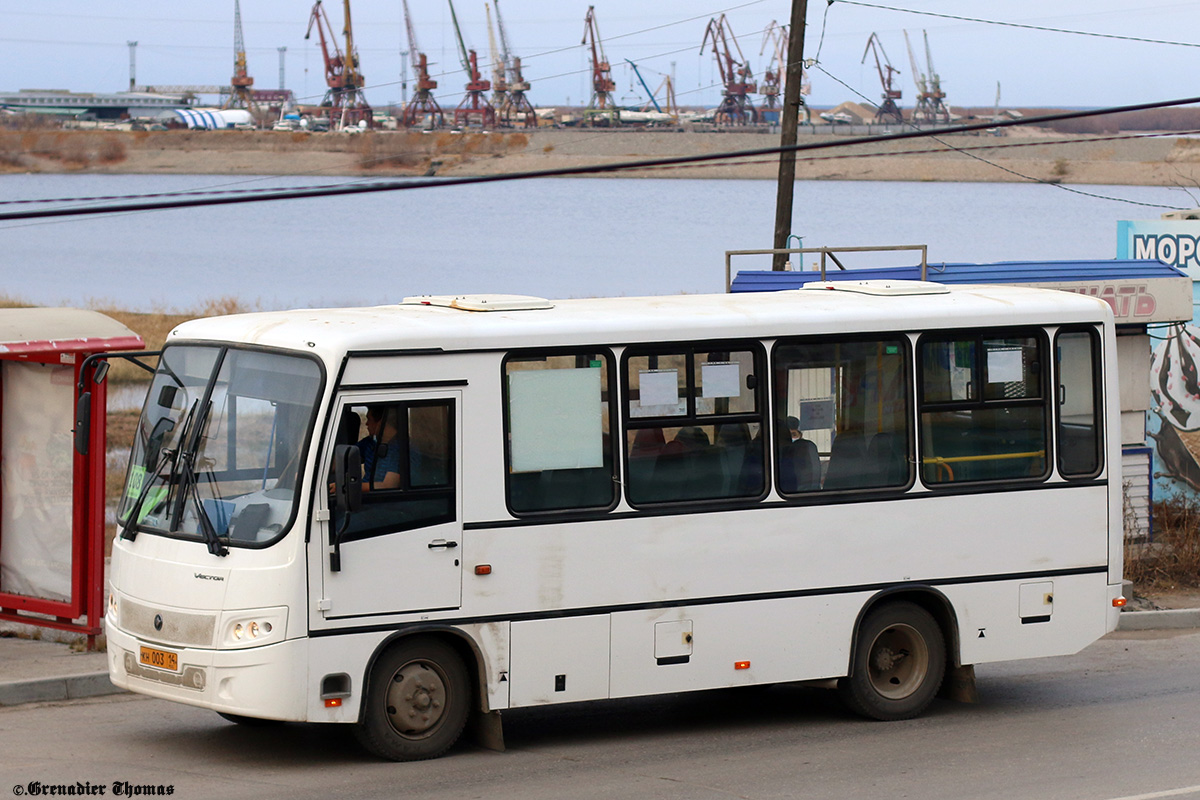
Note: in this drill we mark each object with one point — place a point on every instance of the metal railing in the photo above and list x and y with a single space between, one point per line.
827 254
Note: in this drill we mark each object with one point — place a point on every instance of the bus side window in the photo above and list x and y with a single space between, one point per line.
1079 442
983 408
557 420
408 469
693 423
842 415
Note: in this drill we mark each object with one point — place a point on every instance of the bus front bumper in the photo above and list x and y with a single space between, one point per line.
265 682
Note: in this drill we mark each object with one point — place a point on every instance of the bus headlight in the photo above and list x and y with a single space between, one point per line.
253 628
113 619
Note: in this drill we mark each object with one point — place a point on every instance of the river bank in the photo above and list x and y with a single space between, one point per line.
1166 160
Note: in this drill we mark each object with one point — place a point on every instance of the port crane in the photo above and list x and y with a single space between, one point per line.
423 110
240 94
929 107
517 111
344 100
601 109
735 107
775 36
888 111
937 97
474 108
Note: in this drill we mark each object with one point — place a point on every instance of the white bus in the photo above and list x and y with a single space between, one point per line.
399 517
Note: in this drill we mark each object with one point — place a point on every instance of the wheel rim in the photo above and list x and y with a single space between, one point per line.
898 661
416 699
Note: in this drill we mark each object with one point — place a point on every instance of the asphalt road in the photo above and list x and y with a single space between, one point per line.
1119 720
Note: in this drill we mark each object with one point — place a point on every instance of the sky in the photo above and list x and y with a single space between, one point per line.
82 46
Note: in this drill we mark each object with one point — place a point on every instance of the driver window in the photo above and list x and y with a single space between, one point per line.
408 471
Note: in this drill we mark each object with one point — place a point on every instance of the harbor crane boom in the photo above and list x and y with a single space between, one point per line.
499 64
888 111
424 109
240 95
344 100
516 111
642 80
736 76
601 110
474 108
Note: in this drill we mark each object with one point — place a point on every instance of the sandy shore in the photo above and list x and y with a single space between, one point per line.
1025 155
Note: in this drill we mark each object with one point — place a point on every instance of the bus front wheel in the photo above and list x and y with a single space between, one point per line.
417 701
899 662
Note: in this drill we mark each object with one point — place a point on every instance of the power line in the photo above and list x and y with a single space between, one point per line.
1025 26
594 169
1000 167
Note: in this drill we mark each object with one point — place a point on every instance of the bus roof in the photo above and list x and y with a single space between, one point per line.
619 320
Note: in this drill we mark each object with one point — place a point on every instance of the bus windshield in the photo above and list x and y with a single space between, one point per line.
218 447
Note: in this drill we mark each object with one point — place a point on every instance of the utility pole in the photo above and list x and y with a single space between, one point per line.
282 82
787 138
132 64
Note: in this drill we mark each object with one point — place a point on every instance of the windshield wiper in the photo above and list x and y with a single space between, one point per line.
188 482
130 528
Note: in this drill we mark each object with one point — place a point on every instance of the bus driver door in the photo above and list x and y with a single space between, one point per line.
400 551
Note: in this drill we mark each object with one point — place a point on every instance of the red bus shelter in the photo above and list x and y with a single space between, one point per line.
52 495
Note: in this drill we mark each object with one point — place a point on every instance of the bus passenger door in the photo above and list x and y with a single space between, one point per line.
401 551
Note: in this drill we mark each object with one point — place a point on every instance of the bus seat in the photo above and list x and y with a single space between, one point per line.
886 455
848 467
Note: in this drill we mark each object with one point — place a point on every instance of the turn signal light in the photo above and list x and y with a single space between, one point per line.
1119 602
333 702
483 569
741 665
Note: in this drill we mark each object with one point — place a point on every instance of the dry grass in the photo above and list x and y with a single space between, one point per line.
1172 560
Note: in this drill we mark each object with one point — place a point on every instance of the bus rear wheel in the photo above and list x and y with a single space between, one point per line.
899 662
417 701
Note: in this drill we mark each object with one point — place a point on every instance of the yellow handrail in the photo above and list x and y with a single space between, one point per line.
993 457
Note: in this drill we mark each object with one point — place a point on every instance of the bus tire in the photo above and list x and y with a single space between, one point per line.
417 701
899 662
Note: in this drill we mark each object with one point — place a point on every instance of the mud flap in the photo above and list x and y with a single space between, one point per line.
486 730
959 685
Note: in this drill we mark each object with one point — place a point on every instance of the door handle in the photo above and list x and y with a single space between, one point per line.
440 544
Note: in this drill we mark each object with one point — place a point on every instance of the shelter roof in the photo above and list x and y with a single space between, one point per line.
25 331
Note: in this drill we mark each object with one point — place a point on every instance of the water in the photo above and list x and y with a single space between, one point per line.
553 238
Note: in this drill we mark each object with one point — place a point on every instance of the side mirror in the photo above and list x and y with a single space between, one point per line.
347 477
166 396
83 423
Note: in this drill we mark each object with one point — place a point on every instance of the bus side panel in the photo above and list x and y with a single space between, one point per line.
559 660
1030 618
735 644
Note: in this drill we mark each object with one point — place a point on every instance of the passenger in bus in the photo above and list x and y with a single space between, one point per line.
382 469
799 463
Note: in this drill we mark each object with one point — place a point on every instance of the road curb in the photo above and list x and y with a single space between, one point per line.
1167 619
45 690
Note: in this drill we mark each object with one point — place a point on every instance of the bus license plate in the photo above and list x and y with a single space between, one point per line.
160 659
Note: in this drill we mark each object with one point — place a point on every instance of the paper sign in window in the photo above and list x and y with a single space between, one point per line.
556 419
658 387
721 379
816 415
1005 366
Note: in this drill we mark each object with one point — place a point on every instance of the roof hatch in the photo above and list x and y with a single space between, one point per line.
480 302
882 288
